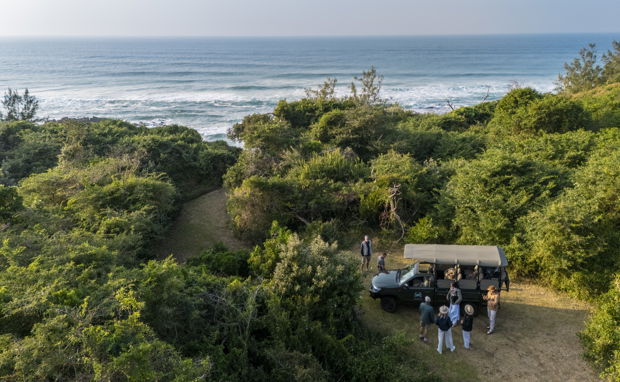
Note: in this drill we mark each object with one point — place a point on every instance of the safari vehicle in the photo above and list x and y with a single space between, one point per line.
435 267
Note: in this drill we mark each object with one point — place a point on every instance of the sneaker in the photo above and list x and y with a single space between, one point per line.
453 349
438 352
489 332
425 340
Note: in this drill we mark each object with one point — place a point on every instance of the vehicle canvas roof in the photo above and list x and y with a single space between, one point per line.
483 255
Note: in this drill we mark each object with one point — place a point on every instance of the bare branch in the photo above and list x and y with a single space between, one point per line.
450 105
486 96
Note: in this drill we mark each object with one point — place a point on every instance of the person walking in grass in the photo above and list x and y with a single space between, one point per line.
444 332
366 252
467 324
381 263
454 298
427 318
492 299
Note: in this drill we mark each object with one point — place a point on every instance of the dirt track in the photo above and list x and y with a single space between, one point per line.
202 223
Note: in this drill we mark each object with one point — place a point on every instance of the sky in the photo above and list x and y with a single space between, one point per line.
304 17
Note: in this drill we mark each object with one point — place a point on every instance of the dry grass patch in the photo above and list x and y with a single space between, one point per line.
202 223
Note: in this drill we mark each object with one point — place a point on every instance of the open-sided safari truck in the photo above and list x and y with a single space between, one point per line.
435 267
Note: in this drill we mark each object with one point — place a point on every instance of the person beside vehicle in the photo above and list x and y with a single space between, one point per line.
427 318
381 263
454 297
492 299
366 252
444 331
467 324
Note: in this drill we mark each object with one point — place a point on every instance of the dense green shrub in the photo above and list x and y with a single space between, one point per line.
550 114
220 261
10 203
603 104
193 165
575 239
423 232
307 111
479 114
601 337
446 122
492 193
26 148
265 132
526 112
367 130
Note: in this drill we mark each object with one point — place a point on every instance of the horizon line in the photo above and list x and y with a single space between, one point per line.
308 35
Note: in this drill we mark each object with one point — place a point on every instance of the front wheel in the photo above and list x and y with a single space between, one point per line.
388 304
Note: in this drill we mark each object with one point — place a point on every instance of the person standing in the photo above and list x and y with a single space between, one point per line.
381 263
492 299
427 318
444 331
454 298
467 324
366 252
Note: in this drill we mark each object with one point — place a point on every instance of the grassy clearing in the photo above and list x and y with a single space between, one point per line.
535 339
202 223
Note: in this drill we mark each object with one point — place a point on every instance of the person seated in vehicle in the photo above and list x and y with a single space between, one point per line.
488 273
450 274
472 273
458 273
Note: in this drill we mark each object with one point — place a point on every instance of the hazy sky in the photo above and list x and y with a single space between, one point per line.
304 17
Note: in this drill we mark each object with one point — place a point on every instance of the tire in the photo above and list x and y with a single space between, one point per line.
388 304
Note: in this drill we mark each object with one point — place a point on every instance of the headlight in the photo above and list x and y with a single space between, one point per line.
375 289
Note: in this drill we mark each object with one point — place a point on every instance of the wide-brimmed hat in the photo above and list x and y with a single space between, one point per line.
469 309
491 287
444 309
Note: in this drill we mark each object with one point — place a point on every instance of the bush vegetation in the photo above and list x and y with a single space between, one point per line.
82 204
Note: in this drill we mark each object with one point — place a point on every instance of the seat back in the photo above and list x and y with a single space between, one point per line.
485 283
468 284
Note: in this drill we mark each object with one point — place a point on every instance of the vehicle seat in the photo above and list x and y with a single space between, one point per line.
485 283
468 284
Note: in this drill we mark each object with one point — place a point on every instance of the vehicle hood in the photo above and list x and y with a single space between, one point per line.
386 280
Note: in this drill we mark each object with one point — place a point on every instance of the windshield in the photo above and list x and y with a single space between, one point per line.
407 273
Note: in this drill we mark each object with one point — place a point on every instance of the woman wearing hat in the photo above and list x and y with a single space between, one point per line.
444 332
467 325
492 299
454 298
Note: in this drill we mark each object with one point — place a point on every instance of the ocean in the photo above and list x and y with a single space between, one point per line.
211 83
